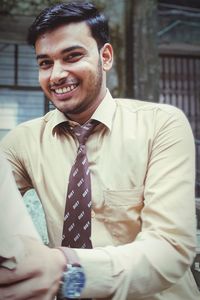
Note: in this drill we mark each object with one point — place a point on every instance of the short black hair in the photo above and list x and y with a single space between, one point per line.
64 13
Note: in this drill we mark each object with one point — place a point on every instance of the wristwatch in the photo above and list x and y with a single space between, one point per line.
73 279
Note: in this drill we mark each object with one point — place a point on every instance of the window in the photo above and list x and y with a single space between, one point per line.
21 98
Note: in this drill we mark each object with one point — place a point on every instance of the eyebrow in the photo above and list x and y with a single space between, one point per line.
66 50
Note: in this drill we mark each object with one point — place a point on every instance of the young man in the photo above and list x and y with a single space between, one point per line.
141 161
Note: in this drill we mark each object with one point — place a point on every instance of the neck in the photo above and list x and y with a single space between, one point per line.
82 117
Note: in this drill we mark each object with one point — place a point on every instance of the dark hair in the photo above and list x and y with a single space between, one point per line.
63 13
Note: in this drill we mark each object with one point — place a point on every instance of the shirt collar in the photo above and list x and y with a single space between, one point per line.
104 113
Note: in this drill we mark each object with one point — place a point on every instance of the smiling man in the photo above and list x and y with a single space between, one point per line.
72 73
115 177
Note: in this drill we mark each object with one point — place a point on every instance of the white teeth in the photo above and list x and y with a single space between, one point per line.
65 89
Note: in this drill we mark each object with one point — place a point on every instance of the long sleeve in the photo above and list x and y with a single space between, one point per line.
14 218
164 249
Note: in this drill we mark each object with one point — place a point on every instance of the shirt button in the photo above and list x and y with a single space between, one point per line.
93 214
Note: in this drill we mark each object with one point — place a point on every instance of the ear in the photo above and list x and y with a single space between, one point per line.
107 56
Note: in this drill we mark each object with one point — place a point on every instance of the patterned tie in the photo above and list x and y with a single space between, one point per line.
77 217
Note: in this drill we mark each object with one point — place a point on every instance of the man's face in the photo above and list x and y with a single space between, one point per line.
72 70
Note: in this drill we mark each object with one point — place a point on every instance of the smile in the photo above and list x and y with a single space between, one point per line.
65 89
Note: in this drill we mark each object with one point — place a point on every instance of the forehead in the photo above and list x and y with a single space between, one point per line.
65 36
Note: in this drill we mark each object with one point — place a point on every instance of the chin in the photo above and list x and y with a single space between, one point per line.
65 109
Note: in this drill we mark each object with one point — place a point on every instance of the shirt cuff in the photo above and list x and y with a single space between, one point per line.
100 275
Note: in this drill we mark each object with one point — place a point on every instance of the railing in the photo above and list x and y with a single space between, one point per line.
197 143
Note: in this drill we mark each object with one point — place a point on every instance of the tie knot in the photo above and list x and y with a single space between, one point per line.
82 132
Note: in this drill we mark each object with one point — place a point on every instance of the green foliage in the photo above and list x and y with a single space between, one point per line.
33 7
6 6
21 7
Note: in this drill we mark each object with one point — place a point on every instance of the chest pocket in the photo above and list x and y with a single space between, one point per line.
121 213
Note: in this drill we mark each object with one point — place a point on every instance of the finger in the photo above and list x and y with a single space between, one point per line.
27 266
19 274
24 291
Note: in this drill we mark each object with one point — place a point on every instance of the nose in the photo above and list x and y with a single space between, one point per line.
58 73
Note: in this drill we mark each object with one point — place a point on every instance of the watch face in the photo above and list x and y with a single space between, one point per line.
74 281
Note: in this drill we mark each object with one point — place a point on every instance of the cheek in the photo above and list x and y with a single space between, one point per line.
87 69
88 74
43 79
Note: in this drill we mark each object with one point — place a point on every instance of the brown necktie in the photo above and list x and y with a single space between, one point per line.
77 217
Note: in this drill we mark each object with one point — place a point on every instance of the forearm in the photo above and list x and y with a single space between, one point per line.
142 268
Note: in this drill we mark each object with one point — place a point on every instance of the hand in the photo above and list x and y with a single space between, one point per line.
36 276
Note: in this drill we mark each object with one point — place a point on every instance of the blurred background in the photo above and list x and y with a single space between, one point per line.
157 58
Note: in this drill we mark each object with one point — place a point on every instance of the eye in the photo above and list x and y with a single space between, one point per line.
73 57
44 64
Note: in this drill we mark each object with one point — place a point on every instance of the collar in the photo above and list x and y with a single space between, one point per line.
104 113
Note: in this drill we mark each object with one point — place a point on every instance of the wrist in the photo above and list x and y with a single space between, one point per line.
70 255
61 258
73 277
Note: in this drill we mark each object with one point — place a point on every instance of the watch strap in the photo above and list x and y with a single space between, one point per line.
70 255
72 261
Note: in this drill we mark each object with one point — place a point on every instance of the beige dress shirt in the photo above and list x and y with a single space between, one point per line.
143 210
15 222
